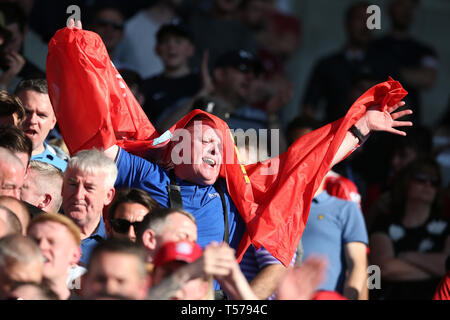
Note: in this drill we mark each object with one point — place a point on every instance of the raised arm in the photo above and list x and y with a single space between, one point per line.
374 120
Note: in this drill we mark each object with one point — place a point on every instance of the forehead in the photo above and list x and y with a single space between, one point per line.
35 100
205 129
75 174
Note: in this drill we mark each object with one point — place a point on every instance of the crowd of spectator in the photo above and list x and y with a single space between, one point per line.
108 224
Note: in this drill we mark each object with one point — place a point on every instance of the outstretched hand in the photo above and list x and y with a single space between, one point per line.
377 120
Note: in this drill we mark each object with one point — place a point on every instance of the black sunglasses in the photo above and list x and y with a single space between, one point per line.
106 23
122 225
422 178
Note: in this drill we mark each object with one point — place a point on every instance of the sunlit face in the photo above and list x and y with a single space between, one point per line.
58 247
117 274
11 180
31 192
132 212
174 51
84 196
39 117
178 227
206 155
233 83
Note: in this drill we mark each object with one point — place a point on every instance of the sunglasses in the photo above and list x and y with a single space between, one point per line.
122 225
423 178
106 23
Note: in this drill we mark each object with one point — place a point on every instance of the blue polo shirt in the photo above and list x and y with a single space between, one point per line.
88 244
332 223
202 201
49 156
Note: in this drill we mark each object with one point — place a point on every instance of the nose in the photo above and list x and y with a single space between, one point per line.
132 234
111 286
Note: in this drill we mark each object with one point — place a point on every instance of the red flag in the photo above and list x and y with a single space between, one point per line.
272 197
92 103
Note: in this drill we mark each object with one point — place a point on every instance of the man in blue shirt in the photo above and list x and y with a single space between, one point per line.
39 120
88 187
336 229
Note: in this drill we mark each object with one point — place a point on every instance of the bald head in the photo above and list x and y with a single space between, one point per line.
19 208
12 174
12 221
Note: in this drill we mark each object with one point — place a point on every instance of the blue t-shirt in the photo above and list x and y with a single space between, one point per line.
88 244
332 223
49 156
202 201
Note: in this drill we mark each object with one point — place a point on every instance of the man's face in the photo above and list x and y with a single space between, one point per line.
17 38
233 83
39 117
109 25
178 227
84 196
357 30
174 51
19 272
58 247
115 273
131 212
206 155
11 180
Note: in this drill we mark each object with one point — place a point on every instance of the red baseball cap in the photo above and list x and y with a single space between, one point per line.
185 251
328 295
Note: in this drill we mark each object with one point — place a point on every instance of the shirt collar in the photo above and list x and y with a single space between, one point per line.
322 197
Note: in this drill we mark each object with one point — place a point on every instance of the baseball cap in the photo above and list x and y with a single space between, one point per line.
184 251
241 59
175 28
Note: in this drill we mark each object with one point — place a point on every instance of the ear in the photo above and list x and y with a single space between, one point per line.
76 255
109 196
45 202
149 239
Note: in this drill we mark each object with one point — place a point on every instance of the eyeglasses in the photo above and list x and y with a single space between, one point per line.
423 178
106 23
122 225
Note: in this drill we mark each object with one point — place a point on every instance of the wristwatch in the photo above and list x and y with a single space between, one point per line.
355 131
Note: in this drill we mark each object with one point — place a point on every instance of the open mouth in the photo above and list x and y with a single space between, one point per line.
210 162
30 132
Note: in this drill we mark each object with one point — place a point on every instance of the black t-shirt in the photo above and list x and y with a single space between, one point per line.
427 238
163 93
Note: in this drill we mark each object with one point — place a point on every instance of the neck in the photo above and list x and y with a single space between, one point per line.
38 150
400 34
59 286
88 229
177 72
416 213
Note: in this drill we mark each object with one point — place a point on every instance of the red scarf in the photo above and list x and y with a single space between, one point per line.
95 108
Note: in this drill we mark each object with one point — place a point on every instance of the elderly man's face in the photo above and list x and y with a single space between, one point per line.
206 155
84 196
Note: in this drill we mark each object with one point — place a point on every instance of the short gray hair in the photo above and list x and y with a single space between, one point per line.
92 161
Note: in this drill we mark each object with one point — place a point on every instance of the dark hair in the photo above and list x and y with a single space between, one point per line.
302 122
156 218
10 104
419 138
35 84
13 13
15 140
400 187
132 195
352 9
119 245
